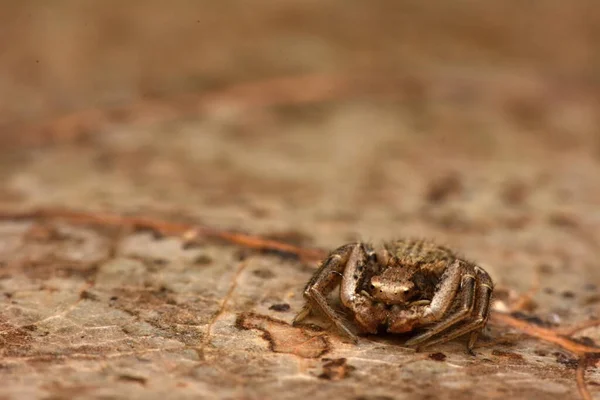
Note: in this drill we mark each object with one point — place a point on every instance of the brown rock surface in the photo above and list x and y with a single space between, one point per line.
454 124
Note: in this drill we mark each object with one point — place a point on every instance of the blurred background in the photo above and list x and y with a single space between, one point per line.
339 119
71 55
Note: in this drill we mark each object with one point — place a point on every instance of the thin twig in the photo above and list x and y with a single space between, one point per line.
187 231
546 335
551 336
580 377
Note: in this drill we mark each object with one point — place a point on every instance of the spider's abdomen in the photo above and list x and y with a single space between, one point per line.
422 253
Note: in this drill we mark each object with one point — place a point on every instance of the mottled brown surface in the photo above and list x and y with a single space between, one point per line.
472 124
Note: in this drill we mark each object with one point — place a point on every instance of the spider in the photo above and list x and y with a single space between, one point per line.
409 284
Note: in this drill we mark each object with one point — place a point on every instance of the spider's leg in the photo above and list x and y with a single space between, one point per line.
467 293
480 314
445 293
322 283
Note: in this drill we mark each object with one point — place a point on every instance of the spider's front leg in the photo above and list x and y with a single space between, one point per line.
327 277
441 302
478 317
475 293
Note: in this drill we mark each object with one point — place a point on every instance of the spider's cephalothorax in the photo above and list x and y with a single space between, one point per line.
410 284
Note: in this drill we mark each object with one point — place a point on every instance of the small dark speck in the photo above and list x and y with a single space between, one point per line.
545 268
532 319
565 360
114 298
191 245
541 353
160 261
590 286
242 255
263 273
585 340
281 307
203 259
548 290
156 235
86 295
437 356
132 378
163 289
508 355
567 294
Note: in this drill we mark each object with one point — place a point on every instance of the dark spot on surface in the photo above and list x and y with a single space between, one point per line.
285 255
203 259
156 235
160 261
545 268
514 193
592 299
87 295
263 273
163 289
532 319
114 298
335 369
280 307
132 378
548 290
242 254
541 353
374 397
30 328
590 287
567 294
191 244
507 354
437 356
585 340
566 360
563 220
46 269
441 189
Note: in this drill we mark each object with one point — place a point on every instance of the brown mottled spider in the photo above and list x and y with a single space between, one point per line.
410 284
